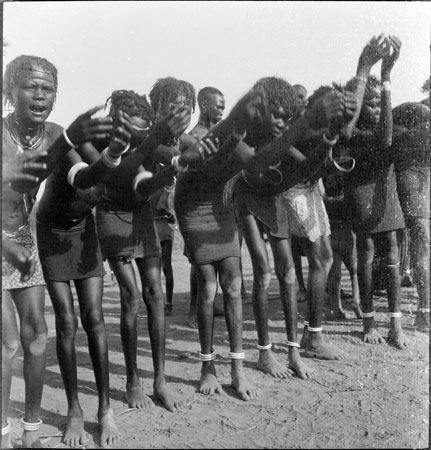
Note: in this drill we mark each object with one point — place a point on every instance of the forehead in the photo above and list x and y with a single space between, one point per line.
299 90
216 98
36 73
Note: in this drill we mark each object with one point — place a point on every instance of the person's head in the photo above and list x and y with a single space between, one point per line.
168 93
30 87
211 104
137 107
281 106
370 111
411 115
301 97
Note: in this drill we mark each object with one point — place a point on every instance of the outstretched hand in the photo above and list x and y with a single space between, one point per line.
252 107
25 167
393 54
199 151
85 129
172 125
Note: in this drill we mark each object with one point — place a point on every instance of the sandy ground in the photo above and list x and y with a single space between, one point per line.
377 397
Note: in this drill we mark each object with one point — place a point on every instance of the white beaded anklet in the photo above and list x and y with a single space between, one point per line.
292 344
233 355
207 356
395 314
264 347
314 330
368 314
27 426
424 310
6 430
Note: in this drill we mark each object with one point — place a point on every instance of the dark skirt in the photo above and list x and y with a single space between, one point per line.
164 229
70 253
269 210
127 234
413 185
207 225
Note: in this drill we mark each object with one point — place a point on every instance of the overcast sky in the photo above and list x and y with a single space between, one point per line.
102 46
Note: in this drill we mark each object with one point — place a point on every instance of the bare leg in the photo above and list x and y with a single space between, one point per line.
230 282
285 271
350 259
10 346
169 274
192 320
150 272
336 311
130 298
297 260
261 279
66 324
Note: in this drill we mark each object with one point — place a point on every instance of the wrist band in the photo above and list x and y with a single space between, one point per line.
386 85
361 79
330 142
264 347
27 426
315 330
424 310
109 160
125 150
6 430
69 142
178 167
368 314
74 170
292 344
233 355
395 314
140 177
207 356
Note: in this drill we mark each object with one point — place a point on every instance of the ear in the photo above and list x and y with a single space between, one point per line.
204 105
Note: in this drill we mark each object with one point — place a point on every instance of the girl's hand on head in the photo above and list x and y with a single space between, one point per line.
252 107
85 129
173 124
122 134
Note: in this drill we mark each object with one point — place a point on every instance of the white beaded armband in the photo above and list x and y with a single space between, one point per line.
109 160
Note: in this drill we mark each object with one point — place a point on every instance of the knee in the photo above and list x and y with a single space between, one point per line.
130 299
9 349
93 321
286 276
262 277
392 256
34 339
232 288
66 326
152 294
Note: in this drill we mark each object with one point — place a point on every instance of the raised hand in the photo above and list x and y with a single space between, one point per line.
172 125
122 134
85 129
339 109
393 54
377 47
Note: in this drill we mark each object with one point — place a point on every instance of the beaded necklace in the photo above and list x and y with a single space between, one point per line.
24 142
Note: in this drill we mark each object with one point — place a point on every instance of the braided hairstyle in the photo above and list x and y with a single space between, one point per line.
17 67
278 93
133 104
166 90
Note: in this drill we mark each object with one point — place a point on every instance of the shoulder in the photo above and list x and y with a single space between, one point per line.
53 130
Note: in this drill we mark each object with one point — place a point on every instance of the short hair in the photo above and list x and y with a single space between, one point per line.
411 114
278 93
206 92
17 67
131 103
166 90
300 86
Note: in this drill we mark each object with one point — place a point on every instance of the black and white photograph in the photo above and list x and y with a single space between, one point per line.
215 224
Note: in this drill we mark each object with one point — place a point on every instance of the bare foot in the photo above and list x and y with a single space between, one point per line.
357 309
109 433
137 399
192 321
268 364
397 338
75 435
422 322
29 440
208 384
240 383
316 347
296 364
169 401
371 335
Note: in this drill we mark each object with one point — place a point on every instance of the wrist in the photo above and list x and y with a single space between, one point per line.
175 162
109 159
68 141
330 139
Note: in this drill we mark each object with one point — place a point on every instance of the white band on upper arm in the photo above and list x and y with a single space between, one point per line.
141 176
74 170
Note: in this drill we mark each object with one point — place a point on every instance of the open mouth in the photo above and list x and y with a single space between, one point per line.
38 109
